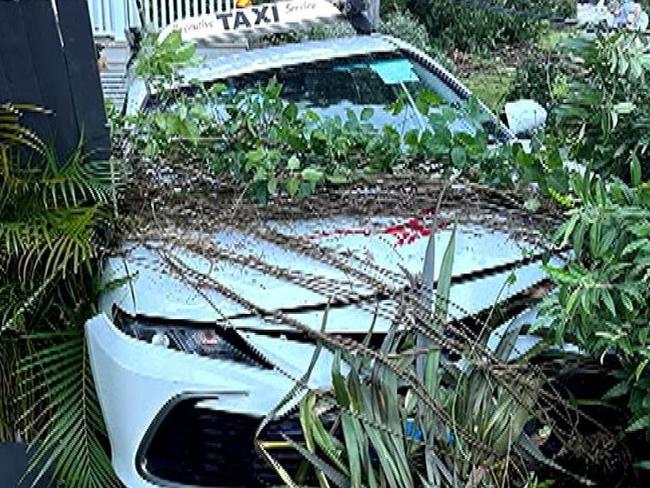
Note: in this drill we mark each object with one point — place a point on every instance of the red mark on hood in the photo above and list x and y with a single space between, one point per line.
406 233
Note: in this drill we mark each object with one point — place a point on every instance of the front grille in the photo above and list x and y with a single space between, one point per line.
202 447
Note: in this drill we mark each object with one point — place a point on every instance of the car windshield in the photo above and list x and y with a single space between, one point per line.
333 87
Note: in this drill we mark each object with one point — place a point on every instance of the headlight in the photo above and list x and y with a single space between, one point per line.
192 339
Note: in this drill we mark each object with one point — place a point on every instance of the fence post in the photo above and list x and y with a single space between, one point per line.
83 74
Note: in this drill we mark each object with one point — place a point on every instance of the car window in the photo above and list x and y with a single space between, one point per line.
332 87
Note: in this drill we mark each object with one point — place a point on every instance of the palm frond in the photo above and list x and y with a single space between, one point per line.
71 440
55 241
52 214
12 132
17 301
49 209
53 184
16 388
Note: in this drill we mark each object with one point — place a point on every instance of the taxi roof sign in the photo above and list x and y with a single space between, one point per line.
256 20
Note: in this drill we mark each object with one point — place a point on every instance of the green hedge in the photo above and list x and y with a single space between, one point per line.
465 25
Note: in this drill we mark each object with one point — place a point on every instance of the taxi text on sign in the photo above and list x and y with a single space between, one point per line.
270 17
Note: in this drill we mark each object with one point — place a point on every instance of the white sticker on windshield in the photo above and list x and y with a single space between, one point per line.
394 71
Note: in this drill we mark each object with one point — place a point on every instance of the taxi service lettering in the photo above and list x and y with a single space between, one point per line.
279 16
255 16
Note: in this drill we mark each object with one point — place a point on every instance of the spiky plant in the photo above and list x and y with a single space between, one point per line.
53 221
409 416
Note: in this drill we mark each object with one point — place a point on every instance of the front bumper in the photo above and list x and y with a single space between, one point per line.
138 382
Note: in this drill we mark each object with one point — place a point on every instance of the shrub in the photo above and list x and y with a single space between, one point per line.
544 77
404 414
603 299
274 147
469 26
605 119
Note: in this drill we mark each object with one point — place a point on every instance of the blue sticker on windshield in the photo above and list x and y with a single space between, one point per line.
394 71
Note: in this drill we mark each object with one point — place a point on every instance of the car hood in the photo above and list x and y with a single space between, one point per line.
255 275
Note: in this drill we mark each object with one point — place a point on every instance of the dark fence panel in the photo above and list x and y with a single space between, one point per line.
51 62
83 73
51 72
18 65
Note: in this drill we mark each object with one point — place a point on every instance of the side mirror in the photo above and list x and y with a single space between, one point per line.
525 116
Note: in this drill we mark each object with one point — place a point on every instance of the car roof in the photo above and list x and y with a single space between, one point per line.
264 58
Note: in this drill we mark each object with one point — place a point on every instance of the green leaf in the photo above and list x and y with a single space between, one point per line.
293 163
639 369
72 441
366 114
217 89
312 174
255 156
569 227
634 246
635 170
293 186
412 137
609 302
427 99
397 106
272 186
291 112
639 424
353 434
618 390
340 386
458 156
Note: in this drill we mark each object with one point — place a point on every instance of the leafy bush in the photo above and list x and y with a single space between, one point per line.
605 119
603 299
273 146
470 26
543 77
255 137
159 62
